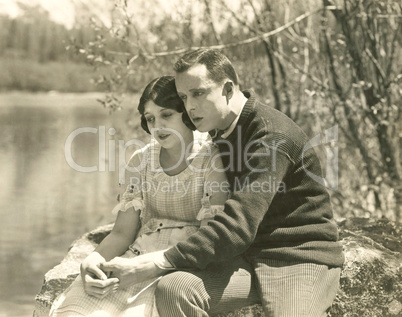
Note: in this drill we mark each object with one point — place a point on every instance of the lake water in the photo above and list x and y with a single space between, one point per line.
45 203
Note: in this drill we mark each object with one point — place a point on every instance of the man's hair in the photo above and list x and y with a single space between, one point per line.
218 65
162 91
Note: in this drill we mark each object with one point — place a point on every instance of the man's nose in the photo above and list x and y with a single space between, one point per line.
190 105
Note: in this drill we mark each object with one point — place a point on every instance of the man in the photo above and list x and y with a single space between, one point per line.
278 217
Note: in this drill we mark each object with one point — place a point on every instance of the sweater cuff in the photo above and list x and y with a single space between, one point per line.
176 259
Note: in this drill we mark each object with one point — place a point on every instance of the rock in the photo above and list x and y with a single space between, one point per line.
62 275
371 279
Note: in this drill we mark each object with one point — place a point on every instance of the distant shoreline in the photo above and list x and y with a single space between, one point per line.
54 98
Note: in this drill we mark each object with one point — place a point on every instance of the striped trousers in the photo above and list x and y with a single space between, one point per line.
285 289
294 289
219 288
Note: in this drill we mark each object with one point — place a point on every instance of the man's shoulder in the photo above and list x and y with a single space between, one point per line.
273 122
273 114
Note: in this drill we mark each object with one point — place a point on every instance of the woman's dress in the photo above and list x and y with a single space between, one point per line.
172 208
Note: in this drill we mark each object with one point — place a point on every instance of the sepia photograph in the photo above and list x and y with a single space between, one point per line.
219 158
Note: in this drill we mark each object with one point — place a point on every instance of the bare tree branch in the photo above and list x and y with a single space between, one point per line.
376 64
211 22
246 41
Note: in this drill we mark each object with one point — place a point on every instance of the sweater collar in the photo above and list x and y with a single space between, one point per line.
247 109
241 117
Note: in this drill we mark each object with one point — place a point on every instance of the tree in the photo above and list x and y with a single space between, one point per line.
328 64
364 64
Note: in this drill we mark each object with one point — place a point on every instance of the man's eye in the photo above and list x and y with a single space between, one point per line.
183 97
197 93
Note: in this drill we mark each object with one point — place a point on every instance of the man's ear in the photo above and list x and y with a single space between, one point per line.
228 90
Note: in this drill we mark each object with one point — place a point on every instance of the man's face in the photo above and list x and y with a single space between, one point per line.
205 100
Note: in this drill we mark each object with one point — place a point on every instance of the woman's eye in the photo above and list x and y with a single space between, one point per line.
167 115
183 97
150 119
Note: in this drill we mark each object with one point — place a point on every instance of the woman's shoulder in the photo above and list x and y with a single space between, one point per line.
205 151
208 146
202 145
138 157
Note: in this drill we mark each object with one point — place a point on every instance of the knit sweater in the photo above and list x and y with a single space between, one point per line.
276 209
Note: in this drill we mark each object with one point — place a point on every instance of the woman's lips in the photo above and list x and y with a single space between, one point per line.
163 136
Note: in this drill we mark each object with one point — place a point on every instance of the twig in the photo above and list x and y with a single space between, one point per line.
249 40
293 64
375 62
259 37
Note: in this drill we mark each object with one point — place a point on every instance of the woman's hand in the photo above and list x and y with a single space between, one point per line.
96 282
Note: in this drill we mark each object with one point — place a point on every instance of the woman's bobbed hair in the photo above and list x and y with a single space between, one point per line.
162 91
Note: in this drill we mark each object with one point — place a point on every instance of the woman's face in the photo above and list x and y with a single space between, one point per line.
166 125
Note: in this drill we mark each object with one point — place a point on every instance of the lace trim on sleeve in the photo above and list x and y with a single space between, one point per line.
207 210
130 198
124 205
209 213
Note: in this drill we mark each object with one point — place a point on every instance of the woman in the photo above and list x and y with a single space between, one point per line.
167 199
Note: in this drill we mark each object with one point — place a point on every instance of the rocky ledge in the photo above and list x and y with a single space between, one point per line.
371 280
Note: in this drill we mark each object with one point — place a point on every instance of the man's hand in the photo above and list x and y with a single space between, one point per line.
130 271
96 283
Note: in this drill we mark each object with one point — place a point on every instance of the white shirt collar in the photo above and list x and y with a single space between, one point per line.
232 126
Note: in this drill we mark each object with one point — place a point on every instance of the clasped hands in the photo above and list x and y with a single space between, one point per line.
101 278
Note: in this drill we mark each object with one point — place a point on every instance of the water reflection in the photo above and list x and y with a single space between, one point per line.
44 203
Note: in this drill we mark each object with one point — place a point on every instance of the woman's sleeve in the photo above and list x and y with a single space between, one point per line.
132 196
216 189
